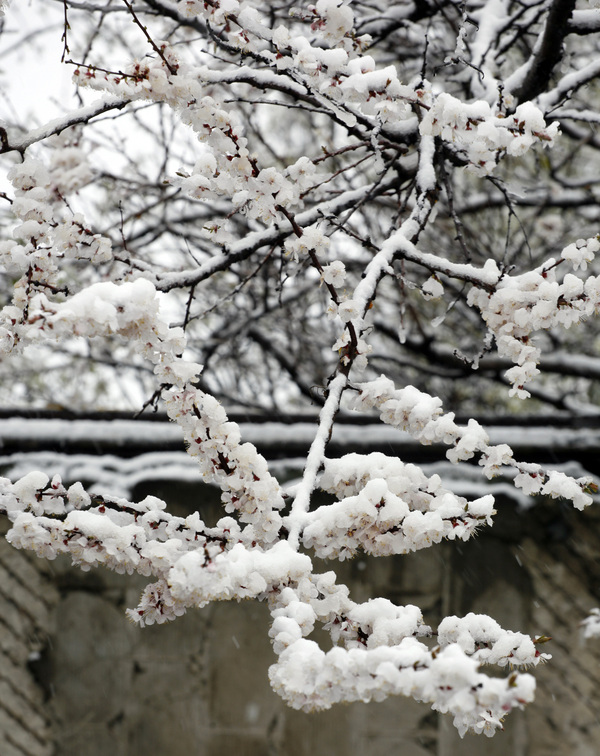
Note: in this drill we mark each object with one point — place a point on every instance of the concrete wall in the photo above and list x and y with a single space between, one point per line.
198 686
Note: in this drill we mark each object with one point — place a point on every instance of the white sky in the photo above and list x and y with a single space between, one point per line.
34 85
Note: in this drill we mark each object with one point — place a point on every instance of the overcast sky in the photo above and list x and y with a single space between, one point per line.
34 85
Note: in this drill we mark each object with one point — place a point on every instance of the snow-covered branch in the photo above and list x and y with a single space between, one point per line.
291 205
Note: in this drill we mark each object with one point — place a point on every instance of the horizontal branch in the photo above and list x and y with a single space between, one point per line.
244 248
58 125
584 21
568 85
481 277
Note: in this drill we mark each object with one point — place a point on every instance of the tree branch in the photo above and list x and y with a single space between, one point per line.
547 53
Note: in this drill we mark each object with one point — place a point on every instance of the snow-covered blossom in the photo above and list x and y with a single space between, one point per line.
313 239
534 301
581 252
216 12
432 288
45 223
483 136
309 678
358 355
483 639
335 19
349 310
386 508
263 547
421 415
561 486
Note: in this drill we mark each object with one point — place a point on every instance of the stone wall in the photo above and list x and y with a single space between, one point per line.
79 680
28 599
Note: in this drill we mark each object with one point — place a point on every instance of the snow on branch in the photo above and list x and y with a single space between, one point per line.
421 415
309 678
534 301
387 507
260 245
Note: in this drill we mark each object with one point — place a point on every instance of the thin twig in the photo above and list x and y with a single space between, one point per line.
160 52
64 38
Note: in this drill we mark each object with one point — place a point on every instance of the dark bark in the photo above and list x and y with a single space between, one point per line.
550 53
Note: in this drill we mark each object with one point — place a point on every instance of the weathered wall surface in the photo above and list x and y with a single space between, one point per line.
199 687
28 599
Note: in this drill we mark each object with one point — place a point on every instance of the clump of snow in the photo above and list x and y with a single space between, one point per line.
591 624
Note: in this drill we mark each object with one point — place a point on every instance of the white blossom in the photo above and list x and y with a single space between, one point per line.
259 206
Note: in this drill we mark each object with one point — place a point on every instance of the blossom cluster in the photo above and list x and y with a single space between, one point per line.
123 536
387 507
534 301
384 507
131 310
38 204
46 232
241 472
225 167
194 565
352 86
484 640
421 415
310 678
483 137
